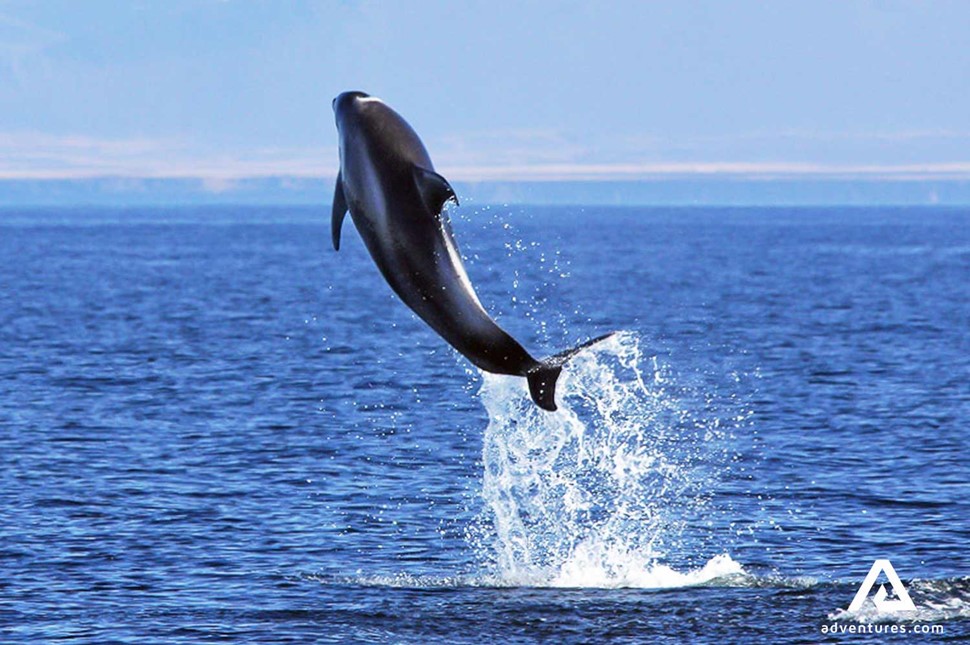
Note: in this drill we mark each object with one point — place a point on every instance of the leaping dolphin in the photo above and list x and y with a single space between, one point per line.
396 200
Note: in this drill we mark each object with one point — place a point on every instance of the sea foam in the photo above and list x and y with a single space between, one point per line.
597 494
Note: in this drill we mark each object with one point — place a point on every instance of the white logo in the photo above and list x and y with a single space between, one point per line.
903 601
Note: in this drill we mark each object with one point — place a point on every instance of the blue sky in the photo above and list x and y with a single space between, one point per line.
503 90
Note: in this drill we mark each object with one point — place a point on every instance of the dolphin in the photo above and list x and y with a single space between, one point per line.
396 201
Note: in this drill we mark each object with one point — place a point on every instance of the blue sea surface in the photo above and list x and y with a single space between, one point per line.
214 428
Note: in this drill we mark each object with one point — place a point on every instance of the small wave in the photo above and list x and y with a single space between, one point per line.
590 568
719 571
397 581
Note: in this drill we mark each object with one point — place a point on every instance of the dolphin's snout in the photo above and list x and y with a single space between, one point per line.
347 97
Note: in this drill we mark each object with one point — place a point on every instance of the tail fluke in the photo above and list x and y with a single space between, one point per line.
543 377
542 385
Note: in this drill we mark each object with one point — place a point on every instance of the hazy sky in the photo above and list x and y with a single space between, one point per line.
496 89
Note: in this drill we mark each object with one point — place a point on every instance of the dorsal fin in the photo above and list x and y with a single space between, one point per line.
339 210
435 189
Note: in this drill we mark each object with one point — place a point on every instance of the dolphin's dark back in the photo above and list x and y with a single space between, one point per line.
396 200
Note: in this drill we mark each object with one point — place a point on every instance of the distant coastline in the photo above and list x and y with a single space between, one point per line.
675 191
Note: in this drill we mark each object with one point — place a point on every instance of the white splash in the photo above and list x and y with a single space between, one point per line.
597 493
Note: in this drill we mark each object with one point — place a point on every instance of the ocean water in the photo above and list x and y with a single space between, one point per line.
214 428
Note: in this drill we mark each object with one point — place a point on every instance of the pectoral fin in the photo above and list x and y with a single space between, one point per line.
339 210
435 189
